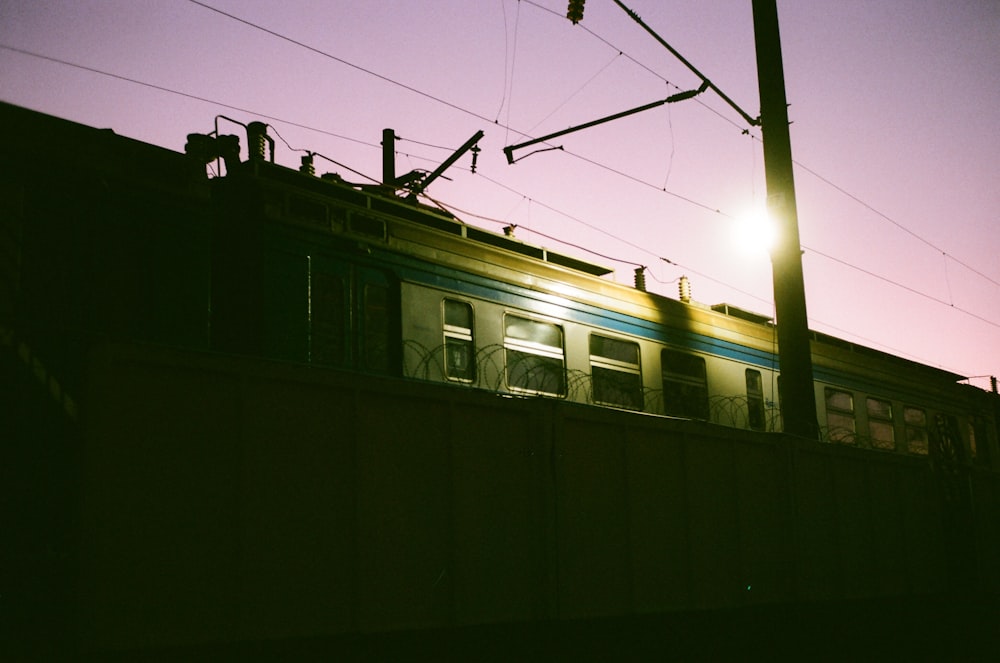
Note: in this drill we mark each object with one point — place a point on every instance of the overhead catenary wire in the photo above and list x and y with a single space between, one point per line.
888 218
625 242
577 91
508 91
342 61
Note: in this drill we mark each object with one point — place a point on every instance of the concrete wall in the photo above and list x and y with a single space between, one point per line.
229 499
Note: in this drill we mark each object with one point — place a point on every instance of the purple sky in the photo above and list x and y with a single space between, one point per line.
895 107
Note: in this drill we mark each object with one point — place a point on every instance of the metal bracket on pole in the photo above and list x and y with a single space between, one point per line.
419 187
753 121
680 96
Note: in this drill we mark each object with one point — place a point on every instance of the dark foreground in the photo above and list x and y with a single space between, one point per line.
938 628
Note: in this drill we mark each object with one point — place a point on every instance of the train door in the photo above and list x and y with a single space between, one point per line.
289 304
353 314
284 315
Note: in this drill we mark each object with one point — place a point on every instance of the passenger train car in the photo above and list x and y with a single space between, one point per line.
279 263
361 278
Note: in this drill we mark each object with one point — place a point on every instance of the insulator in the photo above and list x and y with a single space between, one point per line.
684 288
475 156
575 11
307 166
640 278
258 140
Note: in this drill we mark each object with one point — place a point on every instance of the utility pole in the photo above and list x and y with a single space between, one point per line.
798 400
797 395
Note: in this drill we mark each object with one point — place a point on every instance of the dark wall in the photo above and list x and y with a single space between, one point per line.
227 499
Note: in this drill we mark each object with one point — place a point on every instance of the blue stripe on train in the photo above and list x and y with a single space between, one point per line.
558 307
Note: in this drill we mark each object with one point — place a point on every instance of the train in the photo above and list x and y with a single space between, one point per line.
288 265
110 240
423 295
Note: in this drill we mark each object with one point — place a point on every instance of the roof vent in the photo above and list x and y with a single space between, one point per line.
741 313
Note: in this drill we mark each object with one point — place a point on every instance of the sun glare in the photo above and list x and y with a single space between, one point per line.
755 232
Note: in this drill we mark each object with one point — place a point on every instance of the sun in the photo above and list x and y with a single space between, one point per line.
755 232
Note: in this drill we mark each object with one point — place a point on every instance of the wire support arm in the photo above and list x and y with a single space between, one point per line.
469 144
752 121
680 96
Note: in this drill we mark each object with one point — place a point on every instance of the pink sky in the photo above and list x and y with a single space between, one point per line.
895 102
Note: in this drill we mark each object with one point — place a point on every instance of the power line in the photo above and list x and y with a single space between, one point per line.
904 287
313 49
623 241
893 222
214 102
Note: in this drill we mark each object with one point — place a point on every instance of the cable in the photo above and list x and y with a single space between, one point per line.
578 91
509 83
904 287
623 241
645 183
313 49
673 148
506 57
187 95
892 221
323 156
451 209
417 142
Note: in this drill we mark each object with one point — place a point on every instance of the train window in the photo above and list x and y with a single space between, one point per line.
459 349
328 318
880 427
533 353
614 371
915 424
685 385
376 331
840 416
370 226
306 209
977 432
755 400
